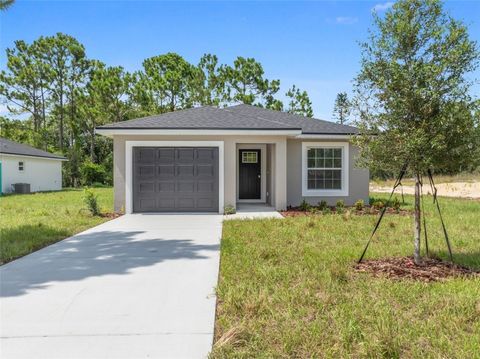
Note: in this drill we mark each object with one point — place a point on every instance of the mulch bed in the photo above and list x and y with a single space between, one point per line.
296 212
111 215
404 268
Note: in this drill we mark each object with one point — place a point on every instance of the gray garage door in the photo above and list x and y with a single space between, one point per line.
175 179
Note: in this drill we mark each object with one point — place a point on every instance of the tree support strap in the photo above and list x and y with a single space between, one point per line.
435 200
398 182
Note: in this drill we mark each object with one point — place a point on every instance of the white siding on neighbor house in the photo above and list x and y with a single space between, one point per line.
43 174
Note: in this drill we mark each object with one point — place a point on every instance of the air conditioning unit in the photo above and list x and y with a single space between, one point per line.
21 187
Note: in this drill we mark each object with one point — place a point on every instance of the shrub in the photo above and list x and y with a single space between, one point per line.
322 205
229 210
327 210
91 201
92 173
378 204
396 204
359 205
313 210
340 203
304 206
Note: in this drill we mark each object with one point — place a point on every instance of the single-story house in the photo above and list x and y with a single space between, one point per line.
203 159
21 163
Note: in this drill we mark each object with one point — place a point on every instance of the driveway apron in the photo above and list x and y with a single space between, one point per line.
139 286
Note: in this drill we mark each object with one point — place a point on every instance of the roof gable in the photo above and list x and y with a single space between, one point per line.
14 148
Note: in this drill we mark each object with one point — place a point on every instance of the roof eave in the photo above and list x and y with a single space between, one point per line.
109 132
33 156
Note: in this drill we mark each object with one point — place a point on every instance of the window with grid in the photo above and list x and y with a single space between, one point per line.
249 157
324 168
21 166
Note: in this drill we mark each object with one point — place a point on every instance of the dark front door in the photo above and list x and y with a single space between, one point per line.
175 179
249 174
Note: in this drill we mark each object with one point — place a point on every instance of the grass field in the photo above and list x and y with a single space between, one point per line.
29 222
287 289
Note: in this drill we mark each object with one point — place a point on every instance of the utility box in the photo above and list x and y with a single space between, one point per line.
21 187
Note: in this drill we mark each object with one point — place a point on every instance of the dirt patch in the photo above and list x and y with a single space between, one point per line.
404 268
451 189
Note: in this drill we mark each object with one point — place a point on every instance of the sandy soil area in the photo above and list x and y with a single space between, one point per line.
453 189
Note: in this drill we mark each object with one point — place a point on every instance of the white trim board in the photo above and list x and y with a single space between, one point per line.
263 171
345 170
129 166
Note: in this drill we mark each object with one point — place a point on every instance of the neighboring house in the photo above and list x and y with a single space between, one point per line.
203 159
20 163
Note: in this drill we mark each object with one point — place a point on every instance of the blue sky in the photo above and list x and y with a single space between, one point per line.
311 44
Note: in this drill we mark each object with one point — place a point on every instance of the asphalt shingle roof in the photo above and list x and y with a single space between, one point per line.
15 148
238 117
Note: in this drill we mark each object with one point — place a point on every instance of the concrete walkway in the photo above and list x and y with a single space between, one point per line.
254 211
140 286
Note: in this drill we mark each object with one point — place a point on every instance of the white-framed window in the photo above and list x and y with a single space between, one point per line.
249 157
325 169
21 166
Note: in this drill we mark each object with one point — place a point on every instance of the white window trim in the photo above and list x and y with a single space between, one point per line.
129 166
343 192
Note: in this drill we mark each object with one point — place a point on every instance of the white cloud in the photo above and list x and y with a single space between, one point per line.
346 20
383 7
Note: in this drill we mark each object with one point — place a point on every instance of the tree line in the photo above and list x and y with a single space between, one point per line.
62 95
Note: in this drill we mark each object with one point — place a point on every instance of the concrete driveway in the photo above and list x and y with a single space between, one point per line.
140 286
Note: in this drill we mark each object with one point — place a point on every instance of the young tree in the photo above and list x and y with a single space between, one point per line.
299 103
342 108
409 90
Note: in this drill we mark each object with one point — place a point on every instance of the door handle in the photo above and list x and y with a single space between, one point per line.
258 176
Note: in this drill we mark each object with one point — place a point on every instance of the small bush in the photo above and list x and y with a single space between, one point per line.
229 210
304 206
92 173
359 205
327 210
91 201
340 203
313 210
322 205
378 204
396 204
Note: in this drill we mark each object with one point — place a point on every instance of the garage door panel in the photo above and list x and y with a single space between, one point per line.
186 187
205 154
166 155
166 187
166 171
145 155
146 171
181 179
204 203
185 170
185 155
146 187
166 204
207 187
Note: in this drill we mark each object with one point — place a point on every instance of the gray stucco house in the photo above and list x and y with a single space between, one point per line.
203 159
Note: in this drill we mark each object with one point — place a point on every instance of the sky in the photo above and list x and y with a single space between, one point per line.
313 45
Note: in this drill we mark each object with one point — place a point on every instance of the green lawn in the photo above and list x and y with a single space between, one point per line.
287 289
29 222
